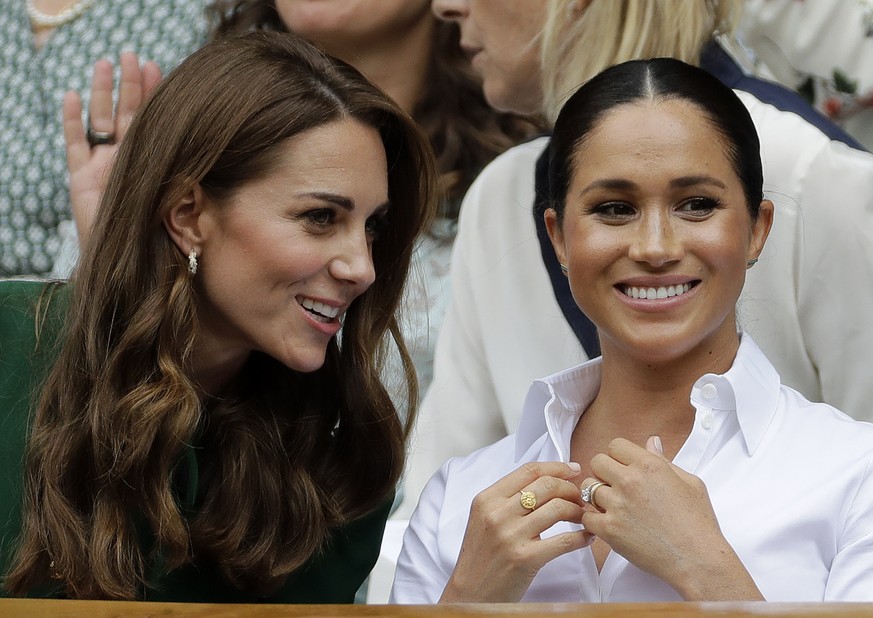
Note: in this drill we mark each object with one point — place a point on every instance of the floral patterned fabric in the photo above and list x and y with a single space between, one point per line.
33 170
821 48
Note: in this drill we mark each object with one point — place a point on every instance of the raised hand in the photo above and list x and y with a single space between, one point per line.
660 518
90 152
502 549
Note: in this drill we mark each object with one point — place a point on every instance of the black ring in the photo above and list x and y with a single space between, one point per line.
98 138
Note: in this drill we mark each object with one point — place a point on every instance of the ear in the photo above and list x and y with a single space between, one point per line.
761 229
184 221
556 234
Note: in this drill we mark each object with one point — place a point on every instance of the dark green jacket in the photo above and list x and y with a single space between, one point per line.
332 576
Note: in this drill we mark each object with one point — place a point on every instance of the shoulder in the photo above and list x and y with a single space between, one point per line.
498 207
508 174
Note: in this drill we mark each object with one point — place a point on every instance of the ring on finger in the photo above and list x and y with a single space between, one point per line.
97 138
588 494
528 500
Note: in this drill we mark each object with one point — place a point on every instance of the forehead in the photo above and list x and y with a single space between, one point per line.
654 135
342 157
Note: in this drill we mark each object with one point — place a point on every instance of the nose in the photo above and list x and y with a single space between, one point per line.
450 10
353 262
655 240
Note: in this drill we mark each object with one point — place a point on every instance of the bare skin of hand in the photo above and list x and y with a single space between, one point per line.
502 549
660 518
89 166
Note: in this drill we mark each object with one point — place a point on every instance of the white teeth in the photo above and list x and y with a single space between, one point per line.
653 293
322 310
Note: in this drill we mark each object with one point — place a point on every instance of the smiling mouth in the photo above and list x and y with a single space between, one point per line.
656 293
319 311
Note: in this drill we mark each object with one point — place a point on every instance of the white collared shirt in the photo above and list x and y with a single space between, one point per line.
791 483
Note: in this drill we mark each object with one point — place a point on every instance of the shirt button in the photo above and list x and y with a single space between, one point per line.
706 420
709 391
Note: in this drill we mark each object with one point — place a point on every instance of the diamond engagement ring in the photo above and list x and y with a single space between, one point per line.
588 494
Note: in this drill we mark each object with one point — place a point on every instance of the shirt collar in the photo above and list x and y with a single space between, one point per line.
555 401
750 389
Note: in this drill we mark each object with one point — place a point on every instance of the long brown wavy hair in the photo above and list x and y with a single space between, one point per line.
283 456
464 131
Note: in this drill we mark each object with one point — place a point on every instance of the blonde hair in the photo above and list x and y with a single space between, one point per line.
577 44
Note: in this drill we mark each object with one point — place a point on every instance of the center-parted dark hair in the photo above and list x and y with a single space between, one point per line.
652 80
284 458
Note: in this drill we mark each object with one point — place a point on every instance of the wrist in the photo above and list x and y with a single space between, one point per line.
720 576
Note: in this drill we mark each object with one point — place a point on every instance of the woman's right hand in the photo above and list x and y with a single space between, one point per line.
502 549
89 165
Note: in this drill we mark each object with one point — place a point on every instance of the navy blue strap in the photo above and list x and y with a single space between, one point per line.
584 329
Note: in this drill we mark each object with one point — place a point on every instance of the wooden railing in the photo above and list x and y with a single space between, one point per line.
26 608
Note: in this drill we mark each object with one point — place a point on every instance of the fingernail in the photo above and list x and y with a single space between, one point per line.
574 466
658 445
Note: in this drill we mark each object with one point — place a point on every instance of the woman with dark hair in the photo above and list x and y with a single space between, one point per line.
702 477
400 46
513 318
201 431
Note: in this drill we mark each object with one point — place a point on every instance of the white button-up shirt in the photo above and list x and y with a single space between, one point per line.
791 483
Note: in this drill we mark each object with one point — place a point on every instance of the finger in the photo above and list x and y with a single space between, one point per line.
526 474
654 446
151 77
596 498
626 451
607 469
535 523
130 92
546 489
78 149
560 544
100 106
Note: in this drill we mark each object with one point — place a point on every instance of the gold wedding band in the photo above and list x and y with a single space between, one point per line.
529 500
588 494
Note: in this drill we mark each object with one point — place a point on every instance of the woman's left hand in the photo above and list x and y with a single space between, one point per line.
660 518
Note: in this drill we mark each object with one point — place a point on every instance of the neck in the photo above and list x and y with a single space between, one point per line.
398 65
642 397
214 365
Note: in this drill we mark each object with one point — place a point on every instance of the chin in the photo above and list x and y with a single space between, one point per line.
304 364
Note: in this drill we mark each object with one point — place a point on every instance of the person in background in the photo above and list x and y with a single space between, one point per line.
48 48
703 478
513 318
209 421
824 50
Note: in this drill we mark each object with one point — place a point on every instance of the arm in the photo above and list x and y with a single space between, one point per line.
836 255
659 518
851 572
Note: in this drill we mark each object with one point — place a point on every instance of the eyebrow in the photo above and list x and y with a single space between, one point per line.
332 198
342 201
620 184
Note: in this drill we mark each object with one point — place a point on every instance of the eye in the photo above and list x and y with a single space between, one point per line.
698 207
320 217
376 225
614 211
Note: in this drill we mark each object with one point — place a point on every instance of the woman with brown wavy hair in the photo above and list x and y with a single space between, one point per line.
401 47
201 431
